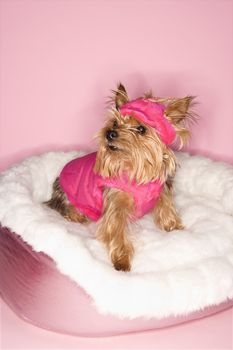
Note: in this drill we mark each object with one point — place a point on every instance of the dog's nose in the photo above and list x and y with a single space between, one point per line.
111 135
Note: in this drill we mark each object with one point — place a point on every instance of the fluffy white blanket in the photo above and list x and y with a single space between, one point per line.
172 274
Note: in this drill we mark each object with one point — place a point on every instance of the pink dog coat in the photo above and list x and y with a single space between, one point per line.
153 114
84 188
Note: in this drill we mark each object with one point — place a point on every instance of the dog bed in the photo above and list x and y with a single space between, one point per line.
56 275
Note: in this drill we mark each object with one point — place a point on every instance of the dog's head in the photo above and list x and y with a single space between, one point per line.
138 134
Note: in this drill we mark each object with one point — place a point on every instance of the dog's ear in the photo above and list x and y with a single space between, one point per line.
179 113
120 96
179 109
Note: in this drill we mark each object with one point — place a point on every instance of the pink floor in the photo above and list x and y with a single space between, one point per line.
214 332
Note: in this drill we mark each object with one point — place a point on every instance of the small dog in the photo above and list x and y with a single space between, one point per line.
130 174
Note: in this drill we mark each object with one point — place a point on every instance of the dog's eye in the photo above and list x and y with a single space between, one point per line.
115 124
141 129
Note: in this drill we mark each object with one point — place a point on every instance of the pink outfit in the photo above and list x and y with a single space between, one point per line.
151 113
84 188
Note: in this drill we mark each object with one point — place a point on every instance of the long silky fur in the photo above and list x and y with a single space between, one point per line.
144 157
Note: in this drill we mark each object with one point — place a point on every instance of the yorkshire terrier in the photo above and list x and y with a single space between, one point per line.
130 174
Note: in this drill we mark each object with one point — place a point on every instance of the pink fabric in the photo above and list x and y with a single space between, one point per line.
151 113
84 188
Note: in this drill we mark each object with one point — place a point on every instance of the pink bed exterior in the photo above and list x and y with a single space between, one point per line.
38 293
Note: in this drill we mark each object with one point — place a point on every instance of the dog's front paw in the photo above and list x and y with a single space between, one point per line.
122 261
170 224
122 264
175 225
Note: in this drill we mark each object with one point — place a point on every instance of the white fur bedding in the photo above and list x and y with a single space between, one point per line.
172 273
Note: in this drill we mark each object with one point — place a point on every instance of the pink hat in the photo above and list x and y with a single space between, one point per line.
150 113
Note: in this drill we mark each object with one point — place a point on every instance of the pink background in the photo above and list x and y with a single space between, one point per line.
58 62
